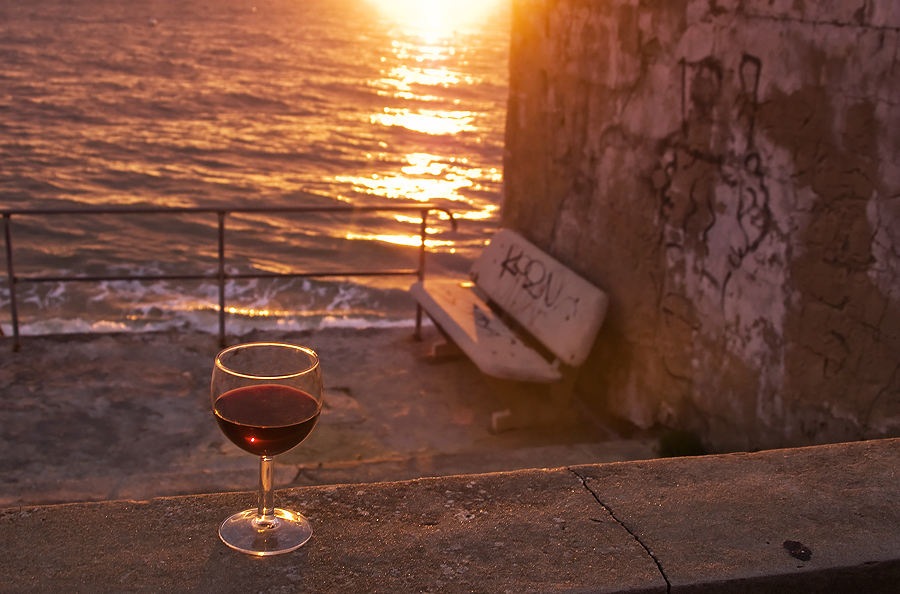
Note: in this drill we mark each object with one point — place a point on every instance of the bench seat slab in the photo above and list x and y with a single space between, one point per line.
478 332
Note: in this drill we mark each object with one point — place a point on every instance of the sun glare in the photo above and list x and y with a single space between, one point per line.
440 16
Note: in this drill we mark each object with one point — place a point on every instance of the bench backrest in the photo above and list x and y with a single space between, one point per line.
558 307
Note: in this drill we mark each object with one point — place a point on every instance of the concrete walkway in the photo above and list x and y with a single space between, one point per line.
801 521
127 416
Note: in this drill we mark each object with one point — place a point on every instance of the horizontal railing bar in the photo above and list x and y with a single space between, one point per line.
220 276
325 274
86 279
216 209
250 275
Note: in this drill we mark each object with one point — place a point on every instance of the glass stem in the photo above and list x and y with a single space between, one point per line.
266 509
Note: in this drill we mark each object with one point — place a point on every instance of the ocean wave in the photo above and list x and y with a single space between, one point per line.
113 306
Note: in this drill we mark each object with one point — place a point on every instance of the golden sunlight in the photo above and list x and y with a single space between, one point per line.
425 178
429 122
397 186
441 17
407 240
428 177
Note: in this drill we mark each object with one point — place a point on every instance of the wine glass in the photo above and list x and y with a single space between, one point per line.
266 398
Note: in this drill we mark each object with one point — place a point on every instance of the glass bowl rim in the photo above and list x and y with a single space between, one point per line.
314 360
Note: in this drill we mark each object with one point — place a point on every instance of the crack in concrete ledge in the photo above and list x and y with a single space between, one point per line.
627 529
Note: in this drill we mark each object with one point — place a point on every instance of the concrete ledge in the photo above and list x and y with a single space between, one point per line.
719 523
711 524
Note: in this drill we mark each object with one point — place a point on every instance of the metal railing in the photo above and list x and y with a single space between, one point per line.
221 275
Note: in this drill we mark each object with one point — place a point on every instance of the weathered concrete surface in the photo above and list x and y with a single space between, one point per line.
692 525
719 523
531 531
127 416
729 172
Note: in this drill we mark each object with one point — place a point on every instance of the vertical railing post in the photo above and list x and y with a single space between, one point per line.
14 313
421 270
221 277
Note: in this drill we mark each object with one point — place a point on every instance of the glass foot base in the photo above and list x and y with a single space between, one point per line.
282 533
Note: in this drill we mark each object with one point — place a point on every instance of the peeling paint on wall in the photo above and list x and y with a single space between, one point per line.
729 172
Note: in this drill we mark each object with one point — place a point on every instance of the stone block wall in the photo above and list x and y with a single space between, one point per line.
729 171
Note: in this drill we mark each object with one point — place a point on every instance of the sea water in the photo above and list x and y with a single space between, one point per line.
243 104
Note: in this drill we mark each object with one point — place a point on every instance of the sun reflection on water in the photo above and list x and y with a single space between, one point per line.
427 99
408 240
400 186
427 177
403 77
427 121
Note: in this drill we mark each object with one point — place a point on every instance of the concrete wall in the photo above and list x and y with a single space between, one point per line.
729 171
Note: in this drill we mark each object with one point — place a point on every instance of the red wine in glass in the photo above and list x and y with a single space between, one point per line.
266 419
266 398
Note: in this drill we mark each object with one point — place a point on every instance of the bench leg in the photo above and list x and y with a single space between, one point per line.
534 405
418 333
445 349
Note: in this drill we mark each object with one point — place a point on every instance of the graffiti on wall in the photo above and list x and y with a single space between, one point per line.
724 289
714 202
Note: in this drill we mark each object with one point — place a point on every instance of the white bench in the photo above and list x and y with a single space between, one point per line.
524 317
